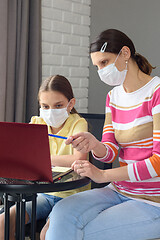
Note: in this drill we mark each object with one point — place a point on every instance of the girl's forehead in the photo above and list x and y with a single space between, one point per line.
53 96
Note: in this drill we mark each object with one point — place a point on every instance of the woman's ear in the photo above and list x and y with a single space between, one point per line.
126 53
72 102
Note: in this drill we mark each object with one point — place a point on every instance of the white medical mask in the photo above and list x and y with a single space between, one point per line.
111 75
54 117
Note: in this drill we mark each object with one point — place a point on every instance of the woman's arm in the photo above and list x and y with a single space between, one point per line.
84 142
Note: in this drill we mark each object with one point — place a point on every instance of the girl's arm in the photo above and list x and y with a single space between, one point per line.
67 160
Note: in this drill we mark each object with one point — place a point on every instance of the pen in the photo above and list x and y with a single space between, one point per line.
57 136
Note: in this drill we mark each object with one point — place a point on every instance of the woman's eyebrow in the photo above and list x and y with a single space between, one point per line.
103 59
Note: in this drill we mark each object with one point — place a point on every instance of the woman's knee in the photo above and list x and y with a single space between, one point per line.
65 207
60 208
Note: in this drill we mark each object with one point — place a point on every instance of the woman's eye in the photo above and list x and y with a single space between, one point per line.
104 62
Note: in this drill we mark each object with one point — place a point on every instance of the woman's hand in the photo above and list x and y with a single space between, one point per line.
83 142
87 169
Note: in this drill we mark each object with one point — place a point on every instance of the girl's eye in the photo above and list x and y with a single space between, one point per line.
59 106
45 107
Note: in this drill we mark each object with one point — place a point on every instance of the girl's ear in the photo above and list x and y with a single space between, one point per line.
72 102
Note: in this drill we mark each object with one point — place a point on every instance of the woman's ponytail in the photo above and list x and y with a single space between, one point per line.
143 63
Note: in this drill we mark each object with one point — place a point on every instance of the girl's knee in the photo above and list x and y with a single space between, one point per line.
44 230
2 226
1 220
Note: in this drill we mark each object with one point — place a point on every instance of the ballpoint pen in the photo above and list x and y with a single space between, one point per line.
57 136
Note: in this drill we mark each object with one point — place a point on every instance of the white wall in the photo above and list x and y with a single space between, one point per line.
140 20
65 44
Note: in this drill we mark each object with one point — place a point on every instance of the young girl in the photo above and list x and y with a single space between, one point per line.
129 207
57 110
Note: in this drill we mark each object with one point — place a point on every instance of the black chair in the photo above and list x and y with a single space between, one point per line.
95 126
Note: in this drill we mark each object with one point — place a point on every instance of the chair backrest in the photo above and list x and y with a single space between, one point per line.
95 125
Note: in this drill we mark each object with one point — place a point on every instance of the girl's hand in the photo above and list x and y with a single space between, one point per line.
86 169
83 142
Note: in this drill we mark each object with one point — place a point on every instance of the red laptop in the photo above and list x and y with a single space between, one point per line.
24 152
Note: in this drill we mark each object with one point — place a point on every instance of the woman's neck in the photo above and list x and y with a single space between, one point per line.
135 78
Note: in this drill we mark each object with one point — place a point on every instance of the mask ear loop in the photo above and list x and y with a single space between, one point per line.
67 105
117 56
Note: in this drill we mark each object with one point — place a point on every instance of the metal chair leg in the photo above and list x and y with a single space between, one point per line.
33 220
22 217
17 220
6 209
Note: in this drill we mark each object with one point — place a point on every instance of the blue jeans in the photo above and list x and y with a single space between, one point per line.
45 203
103 214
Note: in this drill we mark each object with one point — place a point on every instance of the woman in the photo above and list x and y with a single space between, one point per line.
57 110
129 207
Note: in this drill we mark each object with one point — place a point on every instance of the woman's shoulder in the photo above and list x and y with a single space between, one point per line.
156 82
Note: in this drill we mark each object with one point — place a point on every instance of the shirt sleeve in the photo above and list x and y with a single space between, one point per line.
80 126
150 167
37 120
108 136
33 120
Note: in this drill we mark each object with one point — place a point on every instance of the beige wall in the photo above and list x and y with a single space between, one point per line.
65 44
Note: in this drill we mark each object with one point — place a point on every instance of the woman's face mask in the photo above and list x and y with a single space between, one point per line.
111 75
54 117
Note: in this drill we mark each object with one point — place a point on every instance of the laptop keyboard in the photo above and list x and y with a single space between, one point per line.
54 174
15 181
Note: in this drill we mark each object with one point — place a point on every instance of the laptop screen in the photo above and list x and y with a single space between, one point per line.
25 152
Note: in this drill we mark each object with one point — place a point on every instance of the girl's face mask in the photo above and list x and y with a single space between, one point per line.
54 117
111 75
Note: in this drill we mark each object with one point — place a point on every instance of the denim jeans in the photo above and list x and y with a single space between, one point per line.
103 214
45 203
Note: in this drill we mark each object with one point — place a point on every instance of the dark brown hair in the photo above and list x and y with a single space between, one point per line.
60 84
115 41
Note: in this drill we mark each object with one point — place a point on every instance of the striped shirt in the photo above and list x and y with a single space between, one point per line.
133 124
